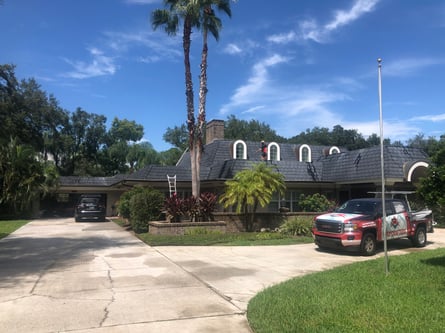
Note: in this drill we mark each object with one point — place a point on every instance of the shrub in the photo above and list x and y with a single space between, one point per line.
123 206
175 208
192 208
315 203
207 205
197 210
297 226
145 206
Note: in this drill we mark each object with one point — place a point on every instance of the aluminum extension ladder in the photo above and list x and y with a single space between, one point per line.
171 184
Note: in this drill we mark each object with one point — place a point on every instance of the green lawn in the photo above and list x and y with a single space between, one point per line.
6 227
236 239
202 238
358 298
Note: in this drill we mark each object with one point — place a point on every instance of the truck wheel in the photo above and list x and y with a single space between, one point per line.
369 244
419 239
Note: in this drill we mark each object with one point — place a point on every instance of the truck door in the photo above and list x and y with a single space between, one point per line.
396 220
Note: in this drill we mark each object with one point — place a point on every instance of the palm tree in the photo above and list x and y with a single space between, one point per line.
194 14
250 188
182 10
21 176
209 23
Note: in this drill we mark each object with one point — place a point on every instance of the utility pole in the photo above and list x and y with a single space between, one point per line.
382 164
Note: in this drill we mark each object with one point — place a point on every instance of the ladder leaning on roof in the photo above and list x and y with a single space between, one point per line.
172 184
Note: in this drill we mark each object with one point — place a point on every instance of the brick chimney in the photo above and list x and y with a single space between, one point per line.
214 130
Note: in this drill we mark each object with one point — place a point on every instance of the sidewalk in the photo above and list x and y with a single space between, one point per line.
61 276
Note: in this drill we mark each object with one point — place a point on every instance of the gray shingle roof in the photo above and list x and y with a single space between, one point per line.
217 164
91 181
364 164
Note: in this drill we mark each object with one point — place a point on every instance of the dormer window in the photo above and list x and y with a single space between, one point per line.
239 150
305 154
334 150
273 152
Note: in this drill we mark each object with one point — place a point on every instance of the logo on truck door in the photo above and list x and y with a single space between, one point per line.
396 226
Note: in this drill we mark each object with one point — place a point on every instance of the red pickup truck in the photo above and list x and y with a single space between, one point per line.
357 225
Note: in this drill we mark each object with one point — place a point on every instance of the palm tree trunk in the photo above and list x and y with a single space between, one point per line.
190 102
202 107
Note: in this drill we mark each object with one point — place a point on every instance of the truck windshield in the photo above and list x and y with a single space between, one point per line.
359 207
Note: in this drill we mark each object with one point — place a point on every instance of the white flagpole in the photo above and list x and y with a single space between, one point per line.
379 61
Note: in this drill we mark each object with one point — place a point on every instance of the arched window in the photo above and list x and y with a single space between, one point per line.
273 152
239 150
334 150
305 153
417 171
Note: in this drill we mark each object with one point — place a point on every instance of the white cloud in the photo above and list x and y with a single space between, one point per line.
159 47
432 118
344 17
99 65
232 49
284 38
254 109
256 87
244 47
311 30
395 130
409 66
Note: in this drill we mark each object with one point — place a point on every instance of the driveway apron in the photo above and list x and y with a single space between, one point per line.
61 276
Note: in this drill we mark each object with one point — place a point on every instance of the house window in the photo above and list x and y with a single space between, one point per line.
334 150
239 150
305 153
273 152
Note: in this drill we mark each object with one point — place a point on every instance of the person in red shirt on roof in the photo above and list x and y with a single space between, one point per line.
263 150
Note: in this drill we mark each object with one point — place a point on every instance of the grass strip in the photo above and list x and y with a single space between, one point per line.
358 298
7 227
228 239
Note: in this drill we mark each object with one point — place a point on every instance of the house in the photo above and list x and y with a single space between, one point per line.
333 171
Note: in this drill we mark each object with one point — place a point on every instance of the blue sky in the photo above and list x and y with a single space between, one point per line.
291 64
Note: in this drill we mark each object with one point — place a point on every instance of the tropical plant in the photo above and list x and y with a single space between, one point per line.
432 187
297 226
21 177
250 188
174 207
315 203
193 14
191 205
207 205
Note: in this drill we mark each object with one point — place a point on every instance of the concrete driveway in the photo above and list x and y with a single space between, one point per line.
61 276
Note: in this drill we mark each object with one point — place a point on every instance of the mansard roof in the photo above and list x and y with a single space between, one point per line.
365 164
218 164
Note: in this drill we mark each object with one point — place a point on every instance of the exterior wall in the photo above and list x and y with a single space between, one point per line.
112 201
263 220
227 222
165 228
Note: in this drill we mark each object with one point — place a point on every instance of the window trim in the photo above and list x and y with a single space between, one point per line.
300 153
235 145
331 150
278 151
